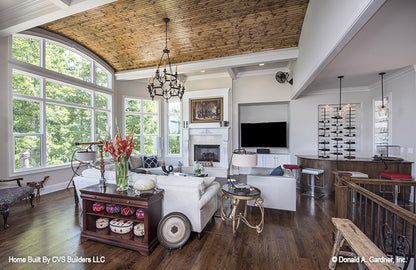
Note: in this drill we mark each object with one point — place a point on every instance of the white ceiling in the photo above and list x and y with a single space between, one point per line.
386 43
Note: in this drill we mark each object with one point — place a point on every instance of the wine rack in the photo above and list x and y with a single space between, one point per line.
338 133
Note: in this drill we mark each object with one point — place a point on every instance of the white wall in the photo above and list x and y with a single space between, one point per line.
208 83
303 113
402 86
256 89
327 28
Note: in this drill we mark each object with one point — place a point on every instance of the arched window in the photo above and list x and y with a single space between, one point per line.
60 95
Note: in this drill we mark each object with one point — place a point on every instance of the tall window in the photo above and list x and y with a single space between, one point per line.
174 128
142 117
50 115
382 126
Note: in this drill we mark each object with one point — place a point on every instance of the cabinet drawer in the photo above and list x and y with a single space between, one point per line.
129 202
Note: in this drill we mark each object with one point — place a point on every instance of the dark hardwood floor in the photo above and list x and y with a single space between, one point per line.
301 240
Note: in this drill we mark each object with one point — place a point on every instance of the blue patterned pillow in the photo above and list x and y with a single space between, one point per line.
277 171
150 162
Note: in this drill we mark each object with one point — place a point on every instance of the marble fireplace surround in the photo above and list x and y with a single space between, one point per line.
211 136
207 133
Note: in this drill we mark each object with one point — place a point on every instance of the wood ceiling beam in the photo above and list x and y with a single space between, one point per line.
217 63
30 14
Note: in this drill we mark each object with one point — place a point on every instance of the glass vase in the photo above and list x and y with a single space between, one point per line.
122 171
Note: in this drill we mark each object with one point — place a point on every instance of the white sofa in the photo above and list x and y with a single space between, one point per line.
195 197
278 192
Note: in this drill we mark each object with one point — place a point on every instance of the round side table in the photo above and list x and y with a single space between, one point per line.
240 197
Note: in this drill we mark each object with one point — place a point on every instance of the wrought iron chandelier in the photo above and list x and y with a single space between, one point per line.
165 83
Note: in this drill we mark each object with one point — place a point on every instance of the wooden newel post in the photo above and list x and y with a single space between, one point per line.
341 193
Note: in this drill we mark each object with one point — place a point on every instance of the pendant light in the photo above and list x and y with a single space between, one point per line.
382 92
340 105
165 83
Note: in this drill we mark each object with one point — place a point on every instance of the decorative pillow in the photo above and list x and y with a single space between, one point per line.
135 162
208 181
288 173
144 184
150 162
277 171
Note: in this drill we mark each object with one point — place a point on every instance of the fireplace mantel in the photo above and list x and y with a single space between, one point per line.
225 142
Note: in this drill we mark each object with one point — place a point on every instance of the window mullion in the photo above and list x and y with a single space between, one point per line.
43 156
92 71
42 53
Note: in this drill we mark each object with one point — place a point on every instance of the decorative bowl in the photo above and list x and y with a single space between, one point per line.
98 207
140 213
113 208
139 229
101 223
127 210
121 226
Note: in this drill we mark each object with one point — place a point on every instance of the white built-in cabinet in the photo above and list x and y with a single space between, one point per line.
272 160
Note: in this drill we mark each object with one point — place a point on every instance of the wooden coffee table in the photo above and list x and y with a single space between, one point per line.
242 198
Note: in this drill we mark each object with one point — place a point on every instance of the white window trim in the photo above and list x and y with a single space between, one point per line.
390 129
44 75
142 136
167 133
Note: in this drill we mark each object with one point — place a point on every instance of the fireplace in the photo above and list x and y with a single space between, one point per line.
207 152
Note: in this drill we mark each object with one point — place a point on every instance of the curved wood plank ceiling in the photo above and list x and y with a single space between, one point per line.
130 34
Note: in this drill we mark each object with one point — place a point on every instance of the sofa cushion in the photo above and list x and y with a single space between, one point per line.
180 181
208 181
107 161
150 162
110 167
135 162
9 196
109 175
278 171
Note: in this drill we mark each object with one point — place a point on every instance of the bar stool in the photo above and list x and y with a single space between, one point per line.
295 169
312 173
394 176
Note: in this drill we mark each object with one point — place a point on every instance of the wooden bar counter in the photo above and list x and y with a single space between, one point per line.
364 165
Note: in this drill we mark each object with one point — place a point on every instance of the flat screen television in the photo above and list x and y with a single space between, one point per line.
268 134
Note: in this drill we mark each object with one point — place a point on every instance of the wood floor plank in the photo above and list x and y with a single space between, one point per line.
301 240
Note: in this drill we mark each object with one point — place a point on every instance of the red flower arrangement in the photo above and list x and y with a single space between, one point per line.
119 148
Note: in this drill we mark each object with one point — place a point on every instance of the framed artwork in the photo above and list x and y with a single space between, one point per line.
206 110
